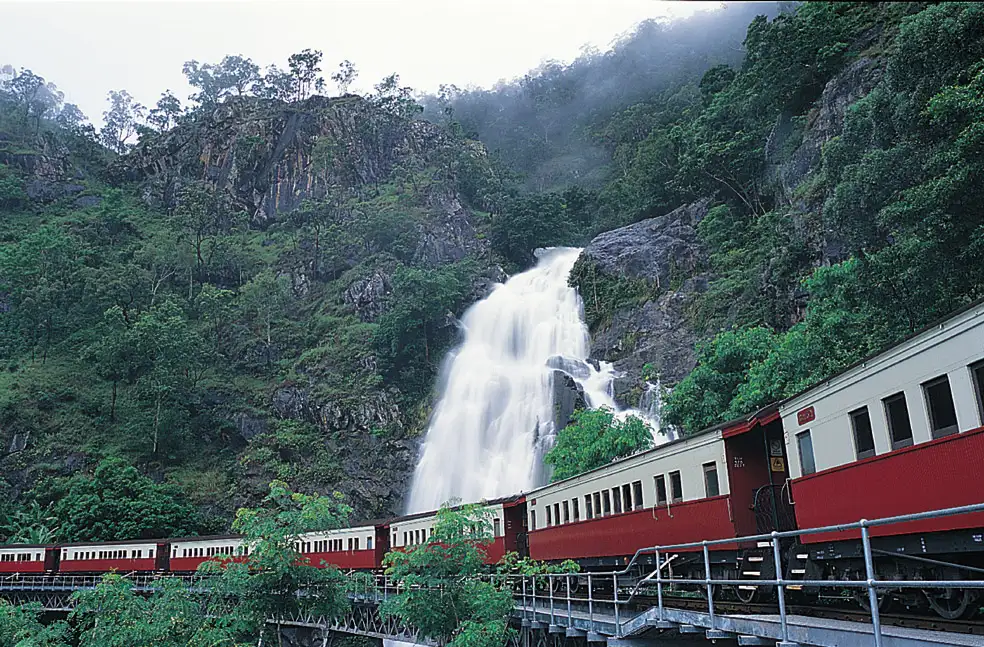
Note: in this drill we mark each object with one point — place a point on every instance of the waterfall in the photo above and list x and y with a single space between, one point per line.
494 418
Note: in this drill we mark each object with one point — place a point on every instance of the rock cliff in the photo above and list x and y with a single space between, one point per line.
654 335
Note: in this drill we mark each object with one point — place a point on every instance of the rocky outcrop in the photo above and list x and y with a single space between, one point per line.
665 252
824 122
46 166
794 152
269 157
366 295
366 435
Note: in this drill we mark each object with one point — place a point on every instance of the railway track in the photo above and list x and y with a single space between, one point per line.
932 623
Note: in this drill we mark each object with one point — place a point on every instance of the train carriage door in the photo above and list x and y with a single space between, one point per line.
162 560
52 558
757 474
515 536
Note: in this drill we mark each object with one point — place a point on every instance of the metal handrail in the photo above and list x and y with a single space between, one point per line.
382 586
871 581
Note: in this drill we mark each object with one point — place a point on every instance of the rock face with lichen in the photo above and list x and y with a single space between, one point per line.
652 333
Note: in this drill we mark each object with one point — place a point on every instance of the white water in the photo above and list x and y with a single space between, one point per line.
494 419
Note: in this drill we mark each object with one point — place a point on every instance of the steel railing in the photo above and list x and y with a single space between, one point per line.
378 588
663 557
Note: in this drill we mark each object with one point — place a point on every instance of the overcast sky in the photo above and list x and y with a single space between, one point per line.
89 48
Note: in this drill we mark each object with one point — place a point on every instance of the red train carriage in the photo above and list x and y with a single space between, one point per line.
120 556
360 548
899 433
717 484
28 558
189 553
508 528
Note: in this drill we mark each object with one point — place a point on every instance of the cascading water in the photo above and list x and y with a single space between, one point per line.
494 418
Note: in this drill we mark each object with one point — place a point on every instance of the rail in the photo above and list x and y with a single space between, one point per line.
528 586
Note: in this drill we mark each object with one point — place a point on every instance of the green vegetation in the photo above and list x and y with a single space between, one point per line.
603 293
901 182
442 595
167 322
240 597
116 503
595 438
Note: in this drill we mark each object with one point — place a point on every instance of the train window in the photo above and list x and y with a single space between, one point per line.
626 497
676 487
532 519
556 508
405 539
637 495
805 443
606 502
549 518
616 499
864 441
597 504
567 512
660 490
577 511
898 420
368 543
939 400
496 528
588 508
711 485
357 543
977 371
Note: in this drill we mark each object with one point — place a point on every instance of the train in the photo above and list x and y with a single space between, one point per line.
900 432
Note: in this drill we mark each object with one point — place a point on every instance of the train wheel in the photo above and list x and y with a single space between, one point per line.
885 600
951 604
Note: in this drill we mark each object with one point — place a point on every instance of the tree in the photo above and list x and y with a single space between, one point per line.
113 614
36 97
594 438
232 76
413 328
113 355
305 68
12 193
22 626
276 84
264 300
41 274
121 120
165 114
116 502
395 100
71 118
175 358
345 76
274 580
442 592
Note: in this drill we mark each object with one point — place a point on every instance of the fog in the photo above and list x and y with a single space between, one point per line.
541 123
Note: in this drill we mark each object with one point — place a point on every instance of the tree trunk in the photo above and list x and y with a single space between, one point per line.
157 422
112 406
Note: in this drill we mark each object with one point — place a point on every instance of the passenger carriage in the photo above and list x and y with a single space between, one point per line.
189 553
508 528
119 556
899 433
28 558
358 548
721 483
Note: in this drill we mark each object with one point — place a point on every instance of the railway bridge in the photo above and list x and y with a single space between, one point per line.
551 611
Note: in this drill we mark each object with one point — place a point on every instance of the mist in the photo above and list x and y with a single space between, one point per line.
543 124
